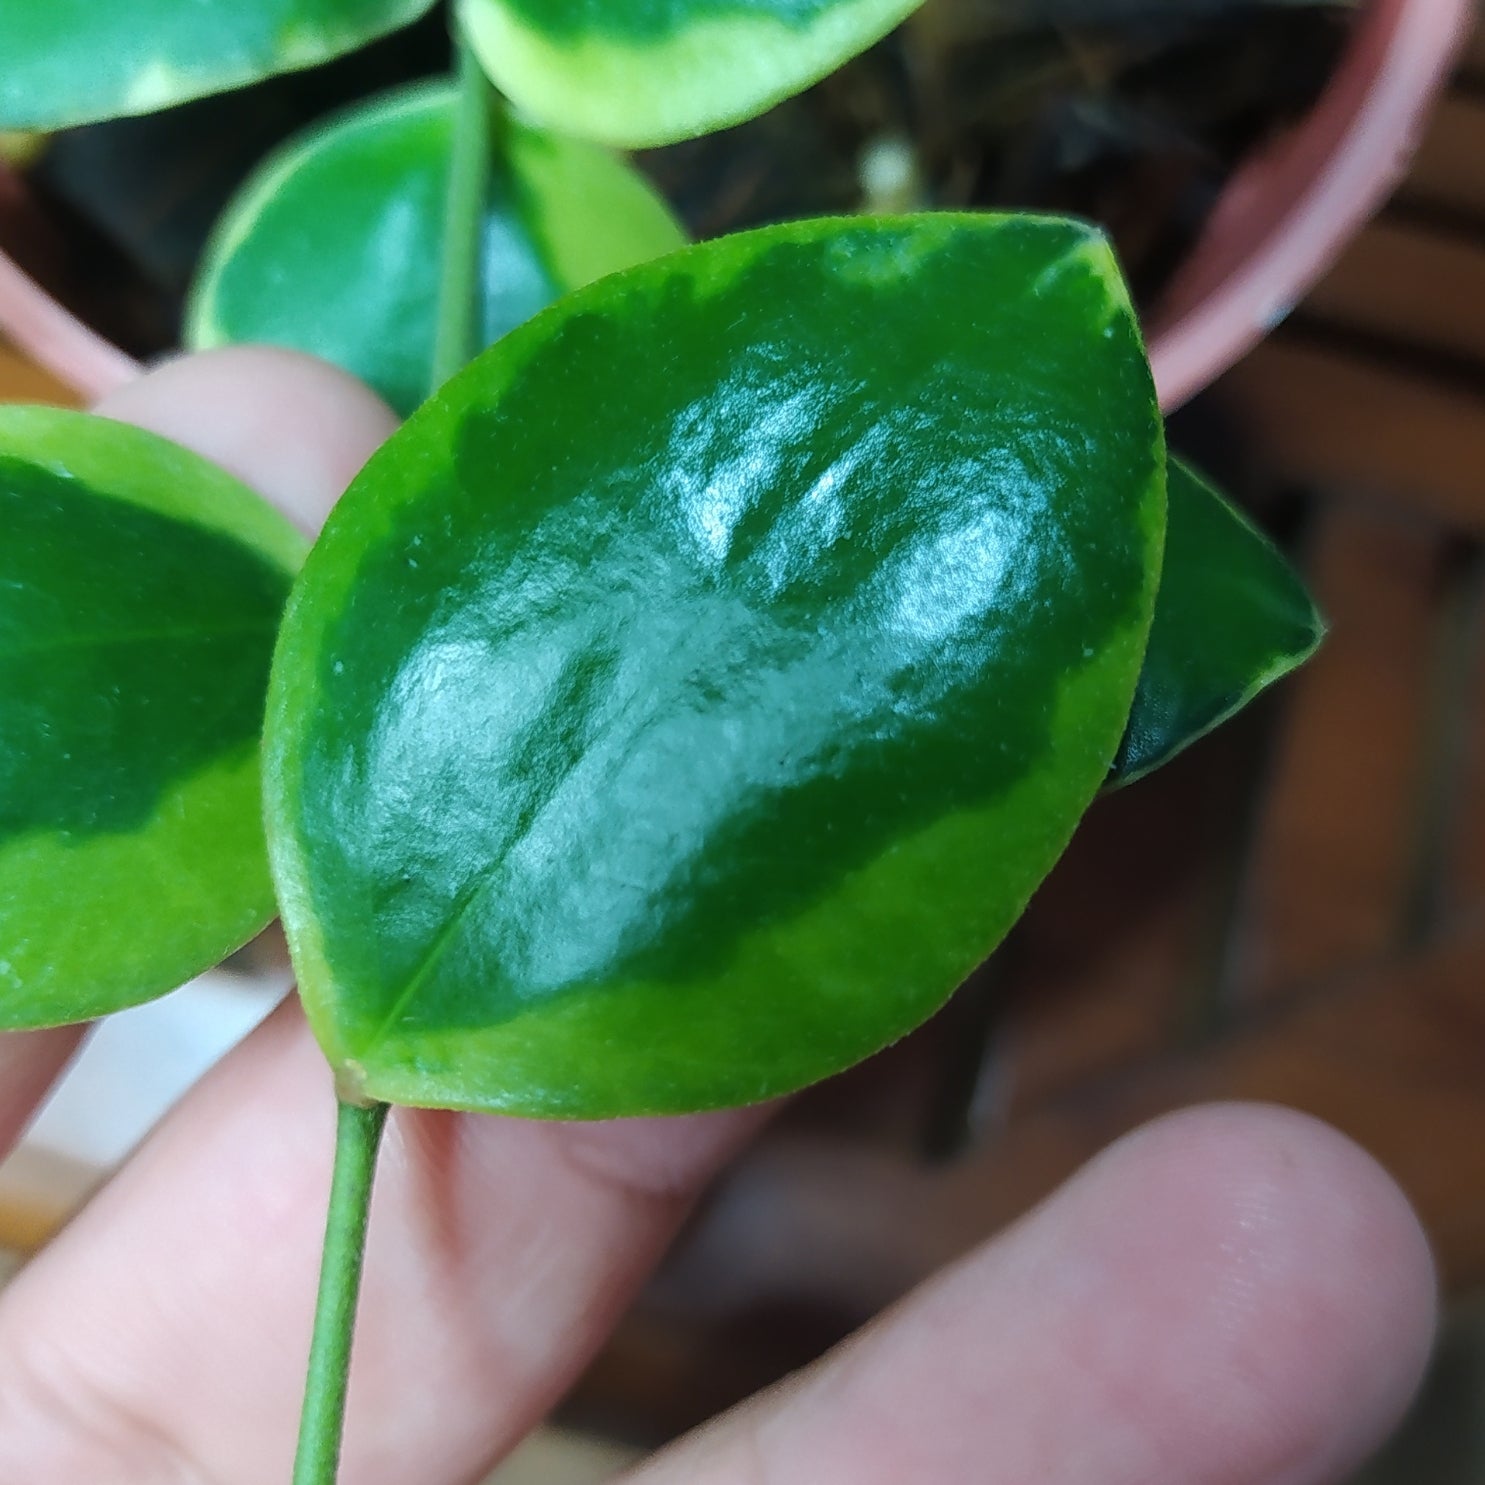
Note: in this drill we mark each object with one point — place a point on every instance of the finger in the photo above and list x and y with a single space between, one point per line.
293 428
1232 1296
163 1336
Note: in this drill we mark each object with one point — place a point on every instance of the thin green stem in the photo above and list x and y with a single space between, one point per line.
358 1134
456 338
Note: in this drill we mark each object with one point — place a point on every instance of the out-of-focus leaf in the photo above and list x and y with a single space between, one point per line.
66 62
140 592
644 72
334 246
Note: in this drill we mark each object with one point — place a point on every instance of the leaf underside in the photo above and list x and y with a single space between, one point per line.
1232 617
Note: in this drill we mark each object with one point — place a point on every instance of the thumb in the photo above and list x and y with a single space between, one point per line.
294 428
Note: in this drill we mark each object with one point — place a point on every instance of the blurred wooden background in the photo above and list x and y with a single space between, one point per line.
1294 911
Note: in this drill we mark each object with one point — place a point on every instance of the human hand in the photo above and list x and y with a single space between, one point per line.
1232 1296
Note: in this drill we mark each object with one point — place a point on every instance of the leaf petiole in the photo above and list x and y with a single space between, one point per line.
456 336
358 1134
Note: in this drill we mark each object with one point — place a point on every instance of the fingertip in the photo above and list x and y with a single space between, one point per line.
1294 1297
1234 1295
293 427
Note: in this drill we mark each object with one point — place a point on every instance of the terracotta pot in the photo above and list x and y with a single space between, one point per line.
1287 214
1280 223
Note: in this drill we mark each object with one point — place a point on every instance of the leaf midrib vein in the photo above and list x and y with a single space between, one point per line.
431 958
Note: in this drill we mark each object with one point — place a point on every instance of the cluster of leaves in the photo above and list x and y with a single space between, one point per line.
696 687
1133 115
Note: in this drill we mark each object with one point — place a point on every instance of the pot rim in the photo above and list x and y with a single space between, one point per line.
1286 215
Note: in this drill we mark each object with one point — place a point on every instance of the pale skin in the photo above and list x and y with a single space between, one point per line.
1234 1295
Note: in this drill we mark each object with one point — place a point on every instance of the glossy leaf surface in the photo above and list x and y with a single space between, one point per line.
140 592
66 62
646 72
693 691
1231 618
334 246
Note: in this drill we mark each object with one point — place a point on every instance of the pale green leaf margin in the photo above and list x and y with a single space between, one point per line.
712 73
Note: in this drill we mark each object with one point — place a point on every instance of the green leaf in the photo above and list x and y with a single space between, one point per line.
140 592
696 688
646 72
1232 617
334 246
66 62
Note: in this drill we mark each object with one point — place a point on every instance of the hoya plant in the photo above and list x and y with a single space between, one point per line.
698 684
